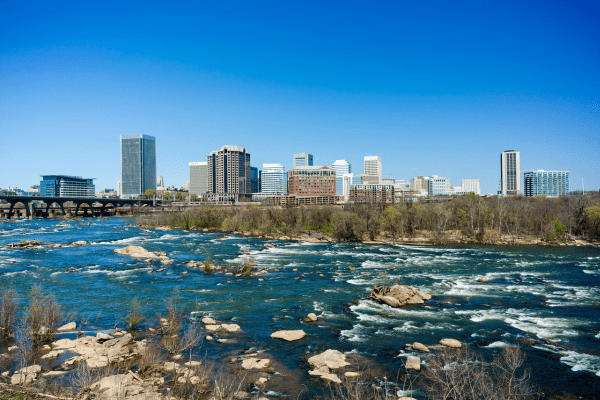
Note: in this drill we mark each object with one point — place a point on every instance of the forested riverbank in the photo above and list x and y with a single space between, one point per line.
568 220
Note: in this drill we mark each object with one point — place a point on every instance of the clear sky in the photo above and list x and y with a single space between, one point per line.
432 87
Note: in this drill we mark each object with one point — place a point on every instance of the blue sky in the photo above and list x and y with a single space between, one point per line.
432 87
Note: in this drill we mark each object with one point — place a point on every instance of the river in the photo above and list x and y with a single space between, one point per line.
532 292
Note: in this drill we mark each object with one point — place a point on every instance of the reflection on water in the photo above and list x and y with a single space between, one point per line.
551 293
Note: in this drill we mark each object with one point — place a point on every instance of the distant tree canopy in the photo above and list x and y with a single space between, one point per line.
149 193
477 219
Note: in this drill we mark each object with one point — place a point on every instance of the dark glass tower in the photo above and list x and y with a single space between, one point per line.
138 165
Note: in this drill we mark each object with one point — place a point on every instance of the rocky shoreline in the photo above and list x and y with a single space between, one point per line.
419 240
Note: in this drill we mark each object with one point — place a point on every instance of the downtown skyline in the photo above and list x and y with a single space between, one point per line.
439 91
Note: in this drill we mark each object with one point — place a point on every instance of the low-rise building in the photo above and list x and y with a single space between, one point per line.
370 194
66 186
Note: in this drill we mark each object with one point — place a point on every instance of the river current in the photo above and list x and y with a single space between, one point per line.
531 292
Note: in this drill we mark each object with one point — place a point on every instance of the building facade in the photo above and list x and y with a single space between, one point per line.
303 160
370 194
273 180
341 167
373 167
438 186
510 172
254 184
228 171
198 178
348 180
471 186
546 183
311 181
67 186
138 164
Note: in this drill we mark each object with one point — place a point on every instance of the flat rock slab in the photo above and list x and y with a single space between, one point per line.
290 336
398 295
255 363
331 358
208 321
450 343
231 327
413 363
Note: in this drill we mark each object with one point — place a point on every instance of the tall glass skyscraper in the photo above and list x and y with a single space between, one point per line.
546 183
510 170
274 180
342 167
138 164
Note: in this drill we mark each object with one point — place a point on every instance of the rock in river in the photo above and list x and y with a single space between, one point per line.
137 252
289 336
331 359
398 295
450 343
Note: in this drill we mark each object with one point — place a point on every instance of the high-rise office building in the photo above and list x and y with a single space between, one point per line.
198 178
510 171
253 180
160 182
546 183
373 168
303 160
348 180
470 186
341 167
67 186
274 180
228 171
138 164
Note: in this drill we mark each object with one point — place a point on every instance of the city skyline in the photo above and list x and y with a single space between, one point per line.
410 84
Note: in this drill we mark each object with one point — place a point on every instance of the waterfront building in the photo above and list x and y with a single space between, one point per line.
312 181
198 178
471 186
273 180
138 164
373 167
546 183
67 186
510 171
228 172
341 168
371 194
438 186
303 160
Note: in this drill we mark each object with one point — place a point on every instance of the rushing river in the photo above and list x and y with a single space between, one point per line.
532 292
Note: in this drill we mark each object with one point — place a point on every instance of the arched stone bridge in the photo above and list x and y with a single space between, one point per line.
101 205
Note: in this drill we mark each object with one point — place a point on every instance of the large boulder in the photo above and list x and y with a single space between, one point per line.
255 363
420 347
398 295
136 252
450 343
332 359
289 336
71 326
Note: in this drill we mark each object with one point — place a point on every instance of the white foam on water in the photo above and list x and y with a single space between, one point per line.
581 362
15 273
588 271
125 240
360 281
318 306
354 334
496 345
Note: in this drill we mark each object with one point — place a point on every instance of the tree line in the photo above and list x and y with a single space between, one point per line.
471 217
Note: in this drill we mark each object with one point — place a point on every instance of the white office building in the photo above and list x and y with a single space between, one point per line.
303 160
438 186
198 178
471 186
510 171
341 167
273 180
373 166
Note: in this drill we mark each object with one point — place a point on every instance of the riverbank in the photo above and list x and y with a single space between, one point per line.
420 239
